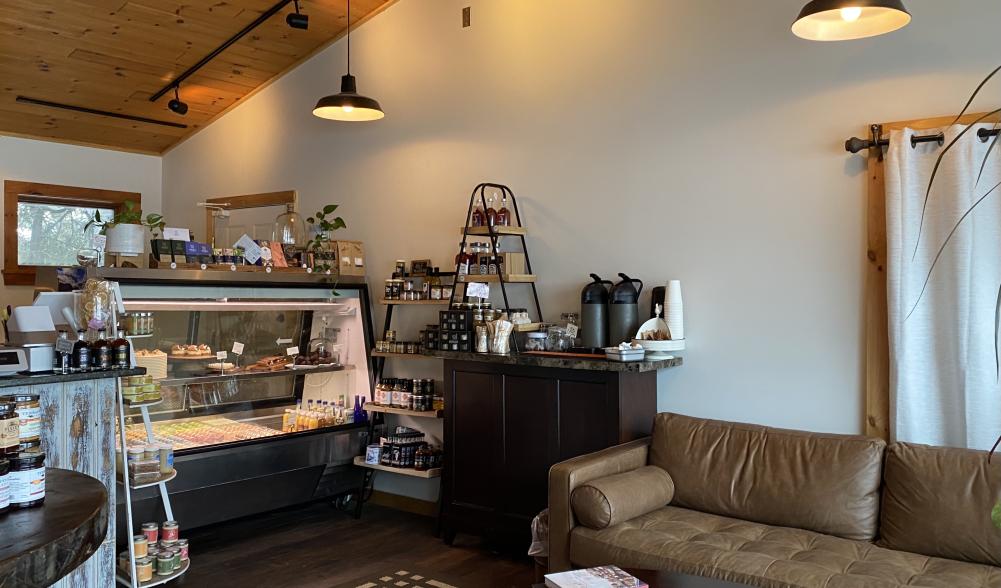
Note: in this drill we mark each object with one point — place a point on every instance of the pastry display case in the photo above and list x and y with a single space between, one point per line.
259 379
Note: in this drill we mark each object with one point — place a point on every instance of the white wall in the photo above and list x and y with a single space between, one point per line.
55 163
684 139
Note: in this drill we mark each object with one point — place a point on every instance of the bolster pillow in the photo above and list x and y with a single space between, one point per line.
614 499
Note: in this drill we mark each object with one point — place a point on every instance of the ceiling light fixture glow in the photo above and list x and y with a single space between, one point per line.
843 20
348 105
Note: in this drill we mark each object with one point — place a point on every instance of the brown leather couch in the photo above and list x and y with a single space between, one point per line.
778 508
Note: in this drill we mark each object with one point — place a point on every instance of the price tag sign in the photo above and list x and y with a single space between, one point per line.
238 348
64 346
176 234
478 289
571 330
251 250
292 351
220 355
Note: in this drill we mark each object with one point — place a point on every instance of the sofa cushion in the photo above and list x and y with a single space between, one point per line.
613 499
729 549
821 482
938 500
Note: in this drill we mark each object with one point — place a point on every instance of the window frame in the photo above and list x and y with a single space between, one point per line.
16 191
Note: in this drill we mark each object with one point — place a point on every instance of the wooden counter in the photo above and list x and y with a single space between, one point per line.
508 419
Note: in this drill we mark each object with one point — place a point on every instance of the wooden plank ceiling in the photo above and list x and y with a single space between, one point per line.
114 54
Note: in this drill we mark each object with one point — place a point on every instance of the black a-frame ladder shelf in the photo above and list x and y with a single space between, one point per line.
495 233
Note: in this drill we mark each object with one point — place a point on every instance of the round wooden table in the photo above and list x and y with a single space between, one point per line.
41 545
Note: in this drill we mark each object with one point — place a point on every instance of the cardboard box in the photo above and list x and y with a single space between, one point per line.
350 258
512 263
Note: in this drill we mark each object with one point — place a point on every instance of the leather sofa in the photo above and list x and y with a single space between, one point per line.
779 508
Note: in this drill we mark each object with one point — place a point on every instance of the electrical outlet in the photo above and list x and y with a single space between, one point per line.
465 17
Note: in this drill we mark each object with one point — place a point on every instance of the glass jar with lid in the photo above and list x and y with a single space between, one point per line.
290 228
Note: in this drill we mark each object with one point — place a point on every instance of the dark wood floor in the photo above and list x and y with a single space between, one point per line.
317 546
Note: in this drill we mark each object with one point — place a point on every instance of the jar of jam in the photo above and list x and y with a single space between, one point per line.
29 414
168 533
4 485
144 569
9 427
27 480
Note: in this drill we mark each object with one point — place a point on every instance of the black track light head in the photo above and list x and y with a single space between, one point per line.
297 20
176 106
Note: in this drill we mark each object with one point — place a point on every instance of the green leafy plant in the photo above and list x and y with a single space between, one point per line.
129 214
324 225
996 512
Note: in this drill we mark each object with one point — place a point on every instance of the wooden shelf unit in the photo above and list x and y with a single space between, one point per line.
430 414
489 278
426 474
413 302
497 230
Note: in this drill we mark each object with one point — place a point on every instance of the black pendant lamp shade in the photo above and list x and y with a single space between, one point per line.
348 105
843 20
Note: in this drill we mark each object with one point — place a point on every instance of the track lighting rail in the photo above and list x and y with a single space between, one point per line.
84 109
201 63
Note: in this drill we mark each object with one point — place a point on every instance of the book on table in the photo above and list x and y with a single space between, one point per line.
600 577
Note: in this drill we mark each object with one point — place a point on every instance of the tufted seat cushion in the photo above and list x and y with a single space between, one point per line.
693 542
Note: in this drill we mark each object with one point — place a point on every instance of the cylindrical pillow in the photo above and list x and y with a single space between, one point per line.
613 499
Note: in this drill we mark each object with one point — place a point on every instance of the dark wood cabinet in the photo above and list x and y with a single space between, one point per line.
506 424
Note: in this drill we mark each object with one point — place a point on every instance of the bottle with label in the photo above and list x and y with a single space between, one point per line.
491 213
63 359
504 215
484 261
492 267
462 261
81 352
434 284
479 219
100 352
121 351
359 414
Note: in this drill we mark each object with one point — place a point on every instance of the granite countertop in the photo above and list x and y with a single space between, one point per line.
571 363
52 378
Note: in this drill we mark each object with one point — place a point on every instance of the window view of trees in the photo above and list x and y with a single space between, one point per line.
52 234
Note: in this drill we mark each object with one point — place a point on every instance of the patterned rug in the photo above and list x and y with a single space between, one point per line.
400 579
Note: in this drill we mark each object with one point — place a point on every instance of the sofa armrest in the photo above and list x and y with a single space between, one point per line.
565 476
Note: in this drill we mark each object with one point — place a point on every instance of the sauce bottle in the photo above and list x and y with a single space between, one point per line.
504 215
491 211
81 353
462 261
479 219
121 351
100 352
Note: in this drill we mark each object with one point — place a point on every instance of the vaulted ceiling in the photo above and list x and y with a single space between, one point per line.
113 55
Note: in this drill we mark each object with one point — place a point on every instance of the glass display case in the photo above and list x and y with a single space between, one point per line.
300 367
259 375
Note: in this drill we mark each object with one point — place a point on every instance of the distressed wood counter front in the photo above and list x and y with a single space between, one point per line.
78 433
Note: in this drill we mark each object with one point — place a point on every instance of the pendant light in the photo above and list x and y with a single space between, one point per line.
843 20
348 105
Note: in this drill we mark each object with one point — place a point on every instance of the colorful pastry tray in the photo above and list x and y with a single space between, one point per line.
190 434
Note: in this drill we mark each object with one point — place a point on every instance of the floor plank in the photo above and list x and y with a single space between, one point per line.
317 546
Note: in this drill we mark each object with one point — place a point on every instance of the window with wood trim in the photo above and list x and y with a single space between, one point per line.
43 224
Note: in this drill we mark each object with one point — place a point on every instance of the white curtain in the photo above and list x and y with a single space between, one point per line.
943 378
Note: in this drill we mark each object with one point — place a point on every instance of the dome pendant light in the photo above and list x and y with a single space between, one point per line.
843 20
348 105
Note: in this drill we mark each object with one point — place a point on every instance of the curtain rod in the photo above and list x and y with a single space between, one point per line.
854 145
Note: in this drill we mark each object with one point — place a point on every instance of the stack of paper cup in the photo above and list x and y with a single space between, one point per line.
674 311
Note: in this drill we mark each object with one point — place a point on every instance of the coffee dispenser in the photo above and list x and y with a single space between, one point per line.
623 310
594 313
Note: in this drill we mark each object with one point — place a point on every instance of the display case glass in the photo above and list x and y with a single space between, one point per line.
239 364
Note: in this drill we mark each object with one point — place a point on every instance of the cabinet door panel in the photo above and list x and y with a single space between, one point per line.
529 442
588 413
476 409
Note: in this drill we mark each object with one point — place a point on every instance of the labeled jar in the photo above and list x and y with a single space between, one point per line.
176 555
166 451
27 480
140 546
169 532
164 564
182 545
9 427
29 415
4 485
144 569
151 531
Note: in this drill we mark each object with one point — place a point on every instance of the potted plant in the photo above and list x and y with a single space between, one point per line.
322 228
126 231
